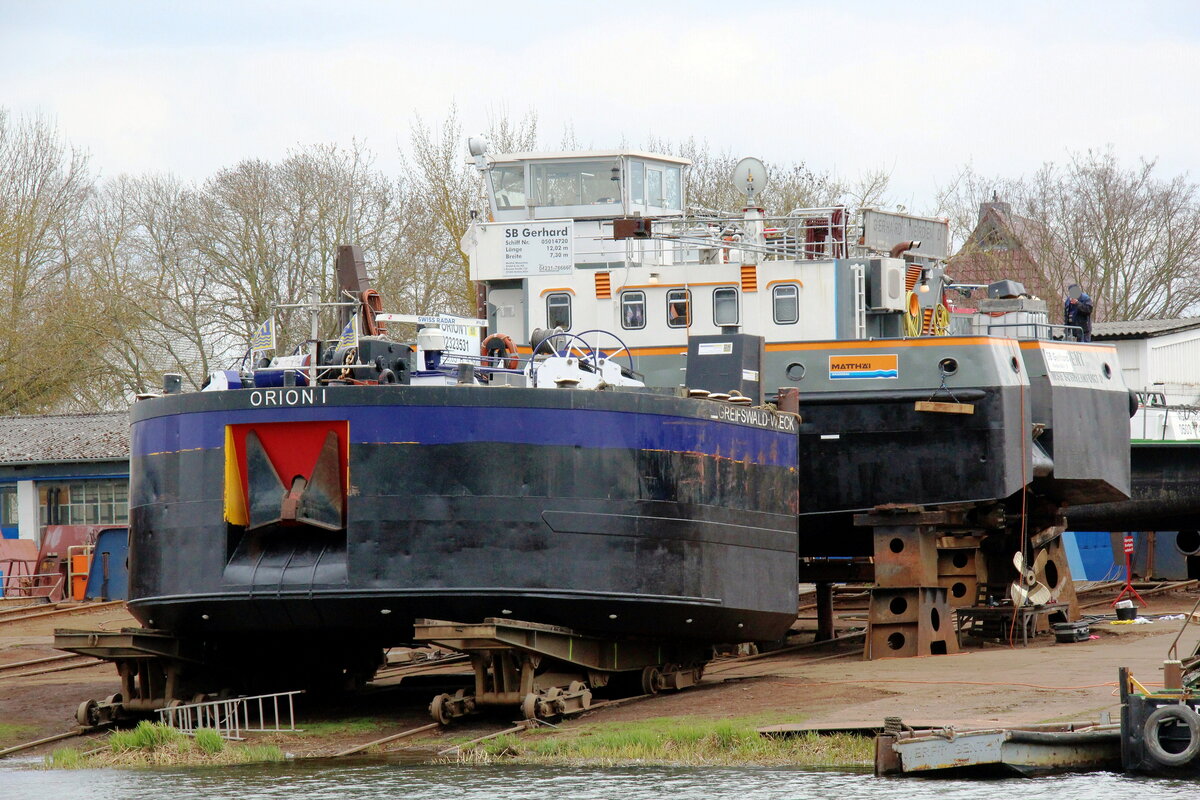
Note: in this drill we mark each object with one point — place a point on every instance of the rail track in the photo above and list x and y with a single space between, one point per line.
22 613
43 666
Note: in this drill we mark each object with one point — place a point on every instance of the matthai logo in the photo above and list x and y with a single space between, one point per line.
864 366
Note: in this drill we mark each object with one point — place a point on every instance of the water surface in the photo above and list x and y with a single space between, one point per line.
334 781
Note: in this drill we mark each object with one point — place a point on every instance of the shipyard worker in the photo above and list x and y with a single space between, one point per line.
1077 311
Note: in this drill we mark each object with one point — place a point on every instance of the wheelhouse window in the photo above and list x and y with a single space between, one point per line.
654 188
633 310
725 306
508 187
673 191
679 308
785 304
637 182
582 183
663 187
558 310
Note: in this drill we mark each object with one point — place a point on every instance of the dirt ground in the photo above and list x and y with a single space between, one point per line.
824 687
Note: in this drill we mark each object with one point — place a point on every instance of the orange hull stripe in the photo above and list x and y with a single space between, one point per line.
1085 348
884 344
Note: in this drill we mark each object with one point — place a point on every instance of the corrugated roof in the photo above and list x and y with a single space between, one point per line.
504 158
1139 328
64 437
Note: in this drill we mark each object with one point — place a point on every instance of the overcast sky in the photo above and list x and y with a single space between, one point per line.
918 88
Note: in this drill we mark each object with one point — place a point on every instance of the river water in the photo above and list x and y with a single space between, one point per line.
308 780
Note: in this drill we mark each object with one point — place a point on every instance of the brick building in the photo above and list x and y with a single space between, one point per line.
1005 245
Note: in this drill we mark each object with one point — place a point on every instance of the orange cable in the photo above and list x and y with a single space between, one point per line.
1012 627
958 683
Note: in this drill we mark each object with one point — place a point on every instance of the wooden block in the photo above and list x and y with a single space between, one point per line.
945 408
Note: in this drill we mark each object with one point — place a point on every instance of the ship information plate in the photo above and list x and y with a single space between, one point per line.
538 248
1058 360
883 365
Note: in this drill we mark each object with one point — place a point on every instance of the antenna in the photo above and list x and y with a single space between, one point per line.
750 178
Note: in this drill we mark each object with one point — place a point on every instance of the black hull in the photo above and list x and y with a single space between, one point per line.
1165 495
616 513
885 452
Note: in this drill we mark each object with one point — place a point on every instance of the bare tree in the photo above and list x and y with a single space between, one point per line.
447 192
44 187
1131 239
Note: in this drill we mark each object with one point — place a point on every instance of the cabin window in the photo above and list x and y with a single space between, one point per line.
654 188
673 192
679 308
785 304
633 310
558 310
508 187
725 306
579 184
637 183
664 187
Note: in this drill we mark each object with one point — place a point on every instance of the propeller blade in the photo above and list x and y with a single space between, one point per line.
1039 594
1039 563
1018 594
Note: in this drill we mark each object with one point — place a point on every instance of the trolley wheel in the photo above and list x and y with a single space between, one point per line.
88 714
1177 716
437 709
579 689
650 680
529 705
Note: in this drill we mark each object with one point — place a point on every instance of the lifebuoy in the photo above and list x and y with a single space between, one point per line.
1183 716
500 343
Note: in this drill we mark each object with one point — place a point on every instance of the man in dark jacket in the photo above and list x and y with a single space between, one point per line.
1077 311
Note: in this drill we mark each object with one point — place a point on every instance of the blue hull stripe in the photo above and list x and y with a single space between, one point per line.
437 425
877 373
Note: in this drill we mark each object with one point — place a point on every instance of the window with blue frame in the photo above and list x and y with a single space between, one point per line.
8 511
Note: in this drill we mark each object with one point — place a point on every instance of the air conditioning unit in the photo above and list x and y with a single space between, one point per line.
885 284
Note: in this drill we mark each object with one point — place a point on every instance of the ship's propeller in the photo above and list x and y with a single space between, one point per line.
1030 586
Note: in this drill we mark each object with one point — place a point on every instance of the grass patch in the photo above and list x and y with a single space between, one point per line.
208 741
674 740
152 745
14 733
146 736
343 727
64 758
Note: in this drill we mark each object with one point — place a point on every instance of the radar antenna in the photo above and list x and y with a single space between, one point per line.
750 178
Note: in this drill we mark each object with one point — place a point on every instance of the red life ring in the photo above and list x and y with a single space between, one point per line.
505 342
